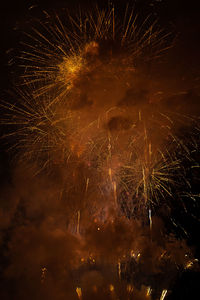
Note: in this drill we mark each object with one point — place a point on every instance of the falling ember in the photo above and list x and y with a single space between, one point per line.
112 291
119 269
130 288
110 173
87 183
115 191
111 288
43 276
150 219
191 263
149 290
78 222
164 293
79 293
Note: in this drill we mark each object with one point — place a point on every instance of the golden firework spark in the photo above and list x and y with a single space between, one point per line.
82 106
57 52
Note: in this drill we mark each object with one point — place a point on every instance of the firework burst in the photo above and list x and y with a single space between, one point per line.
86 107
57 52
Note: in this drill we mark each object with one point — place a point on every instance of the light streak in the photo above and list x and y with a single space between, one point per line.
150 219
78 222
43 276
164 293
79 293
149 291
119 269
115 192
87 184
111 288
130 288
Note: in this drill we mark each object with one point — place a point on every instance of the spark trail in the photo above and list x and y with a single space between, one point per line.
90 117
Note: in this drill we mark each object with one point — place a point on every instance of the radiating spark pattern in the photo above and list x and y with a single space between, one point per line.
83 112
58 52
133 146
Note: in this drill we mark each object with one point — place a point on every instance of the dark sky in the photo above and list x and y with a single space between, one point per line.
181 17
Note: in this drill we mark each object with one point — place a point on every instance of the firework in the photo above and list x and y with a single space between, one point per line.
84 103
87 113
57 53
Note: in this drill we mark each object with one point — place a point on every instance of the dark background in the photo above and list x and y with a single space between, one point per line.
181 17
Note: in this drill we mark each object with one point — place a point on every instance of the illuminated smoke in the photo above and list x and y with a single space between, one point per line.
99 153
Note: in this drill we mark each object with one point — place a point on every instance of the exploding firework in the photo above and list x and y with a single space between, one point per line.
137 153
86 101
88 113
58 52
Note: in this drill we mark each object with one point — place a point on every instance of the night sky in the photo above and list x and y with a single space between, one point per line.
181 66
